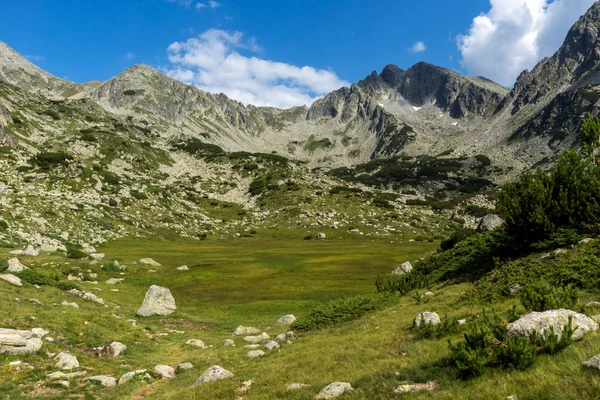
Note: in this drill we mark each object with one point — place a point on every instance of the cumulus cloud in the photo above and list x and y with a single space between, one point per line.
213 62
516 34
209 4
129 56
198 5
418 47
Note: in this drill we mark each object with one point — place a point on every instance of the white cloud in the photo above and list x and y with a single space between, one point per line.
198 6
516 34
129 56
212 62
418 47
33 58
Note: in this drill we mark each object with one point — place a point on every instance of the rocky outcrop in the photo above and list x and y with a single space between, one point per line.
334 390
489 222
214 373
17 342
543 322
403 268
426 318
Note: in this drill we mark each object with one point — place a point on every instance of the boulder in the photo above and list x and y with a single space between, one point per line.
286 320
117 348
321 236
150 262
114 281
165 371
229 343
281 337
19 342
31 252
541 322
334 390
14 265
130 375
257 339
426 318
183 268
196 343
297 386
245 330
271 345
214 373
186 365
158 301
593 362
255 353
70 375
489 222
106 381
403 268
66 361
10 278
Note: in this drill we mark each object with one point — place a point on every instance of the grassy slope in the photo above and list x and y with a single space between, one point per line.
253 282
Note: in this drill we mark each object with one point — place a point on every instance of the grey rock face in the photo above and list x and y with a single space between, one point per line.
403 268
158 301
18 342
286 320
14 265
214 373
426 318
12 279
489 222
541 322
334 390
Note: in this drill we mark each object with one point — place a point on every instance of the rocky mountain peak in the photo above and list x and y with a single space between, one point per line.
18 71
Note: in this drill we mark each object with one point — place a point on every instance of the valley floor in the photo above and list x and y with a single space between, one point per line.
253 282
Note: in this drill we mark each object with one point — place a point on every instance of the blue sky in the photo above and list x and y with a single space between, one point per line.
262 45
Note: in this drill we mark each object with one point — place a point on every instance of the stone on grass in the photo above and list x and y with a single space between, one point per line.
186 365
130 375
105 381
334 390
62 375
66 361
214 373
165 371
196 343
10 278
321 236
252 346
183 268
489 222
245 330
257 339
271 345
541 322
114 281
297 386
229 343
150 262
158 301
416 387
117 348
593 362
19 342
426 318
66 303
31 252
281 337
14 265
286 320
403 268
255 353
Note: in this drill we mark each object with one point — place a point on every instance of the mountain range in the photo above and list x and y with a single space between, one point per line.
425 110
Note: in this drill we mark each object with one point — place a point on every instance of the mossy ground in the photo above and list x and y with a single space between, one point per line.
253 282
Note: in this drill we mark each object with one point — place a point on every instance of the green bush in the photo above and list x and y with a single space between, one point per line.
342 310
47 160
3 265
74 252
448 326
34 277
66 285
457 236
538 204
541 296
3 225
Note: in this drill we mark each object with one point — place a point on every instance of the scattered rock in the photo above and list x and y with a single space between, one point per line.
245 330
252 346
18 342
255 353
117 348
593 362
10 278
183 268
321 236
489 222
403 268
415 387
462 321
158 301
66 303
297 386
106 381
515 289
165 371
62 375
186 365
281 337
66 361
257 339
286 320
541 322
130 375
426 318
150 262
196 343
114 281
31 252
97 256
229 343
334 390
14 265
271 345
214 373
